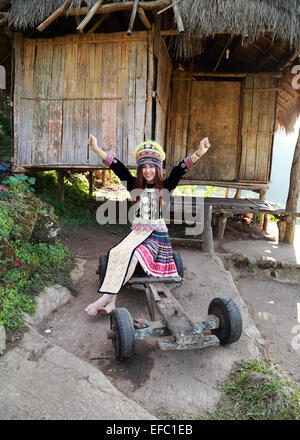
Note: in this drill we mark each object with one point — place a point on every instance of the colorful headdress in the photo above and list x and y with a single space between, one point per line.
149 152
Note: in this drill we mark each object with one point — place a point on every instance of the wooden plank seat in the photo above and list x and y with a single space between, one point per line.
184 333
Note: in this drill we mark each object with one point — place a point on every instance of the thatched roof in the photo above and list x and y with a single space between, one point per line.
262 34
201 18
250 18
288 102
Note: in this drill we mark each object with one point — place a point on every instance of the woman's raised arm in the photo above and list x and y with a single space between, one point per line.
114 164
92 141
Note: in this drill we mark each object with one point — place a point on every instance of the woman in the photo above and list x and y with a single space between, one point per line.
148 242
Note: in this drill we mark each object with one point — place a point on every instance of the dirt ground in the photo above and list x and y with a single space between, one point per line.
272 296
271 306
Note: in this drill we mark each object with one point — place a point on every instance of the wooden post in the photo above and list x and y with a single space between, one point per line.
262 195
238 193
54 16
281 225
178 18
221 227
18 46
60 179
208 243
90 183
132 17
89 16
103 178
293 195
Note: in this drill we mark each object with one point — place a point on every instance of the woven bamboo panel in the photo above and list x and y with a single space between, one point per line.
201 109
257 130
71 86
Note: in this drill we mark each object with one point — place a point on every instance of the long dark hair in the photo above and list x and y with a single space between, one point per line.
140 182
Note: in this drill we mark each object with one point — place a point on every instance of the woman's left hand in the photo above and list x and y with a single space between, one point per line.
203 146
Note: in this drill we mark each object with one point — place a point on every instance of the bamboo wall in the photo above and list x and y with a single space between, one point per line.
71 86
238 118
118 88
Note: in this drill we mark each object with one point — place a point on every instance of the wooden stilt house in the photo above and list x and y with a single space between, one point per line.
170 70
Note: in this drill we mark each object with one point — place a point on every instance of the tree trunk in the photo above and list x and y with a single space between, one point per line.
293 196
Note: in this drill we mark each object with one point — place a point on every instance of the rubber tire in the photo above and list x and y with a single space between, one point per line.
179 263
102 263
230 320
121 321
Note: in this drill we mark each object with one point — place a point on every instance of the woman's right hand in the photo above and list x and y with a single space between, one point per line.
92 141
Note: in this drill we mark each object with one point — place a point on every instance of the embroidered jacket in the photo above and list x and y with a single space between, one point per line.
170 182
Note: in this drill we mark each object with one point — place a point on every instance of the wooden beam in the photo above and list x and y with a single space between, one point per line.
228 42
124 6
54 16
290 61
3 20
89 16
133 15
168 7
239 75
177 16
144 18
97 24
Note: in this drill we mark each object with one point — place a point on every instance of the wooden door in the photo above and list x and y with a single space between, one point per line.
201 109
257 131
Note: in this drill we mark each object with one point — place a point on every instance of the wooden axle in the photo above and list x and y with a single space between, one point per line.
155 330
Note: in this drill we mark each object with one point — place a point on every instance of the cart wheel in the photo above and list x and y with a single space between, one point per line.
121 325
179 263
230 320
102 264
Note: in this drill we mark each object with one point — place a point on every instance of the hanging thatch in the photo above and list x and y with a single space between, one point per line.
288 108
250 18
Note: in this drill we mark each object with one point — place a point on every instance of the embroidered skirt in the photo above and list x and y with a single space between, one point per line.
150 243
155 254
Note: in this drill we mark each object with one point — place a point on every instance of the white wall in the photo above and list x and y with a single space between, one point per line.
283 153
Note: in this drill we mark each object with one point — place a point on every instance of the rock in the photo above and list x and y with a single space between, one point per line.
2 339
47 228
33 219
78 271
49 300
7 256
24 221
267 263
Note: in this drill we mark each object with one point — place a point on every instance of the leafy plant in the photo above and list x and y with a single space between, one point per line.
39 265
5 127
6 222
20 183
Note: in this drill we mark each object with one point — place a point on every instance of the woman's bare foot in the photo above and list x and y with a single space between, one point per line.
103 305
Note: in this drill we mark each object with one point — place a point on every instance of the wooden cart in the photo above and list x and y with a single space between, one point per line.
175 330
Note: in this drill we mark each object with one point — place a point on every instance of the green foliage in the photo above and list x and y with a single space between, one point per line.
193 190
272 397
19 184
40 265
5 127
6 222
78 209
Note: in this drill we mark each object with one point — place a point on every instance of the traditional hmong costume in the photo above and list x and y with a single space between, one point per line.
148 238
